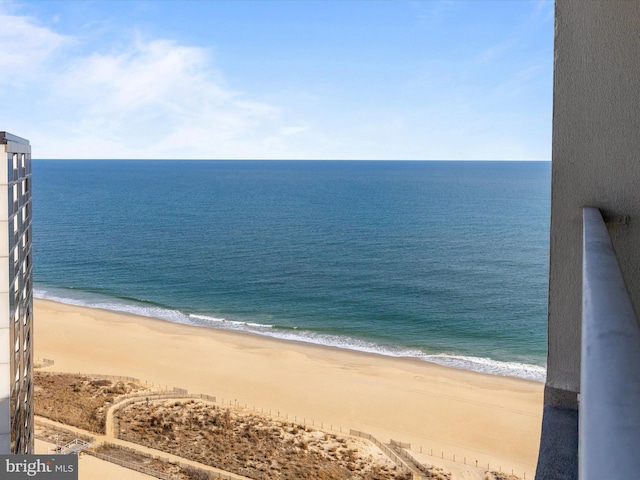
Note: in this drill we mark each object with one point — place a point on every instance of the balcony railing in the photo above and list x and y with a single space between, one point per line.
609 432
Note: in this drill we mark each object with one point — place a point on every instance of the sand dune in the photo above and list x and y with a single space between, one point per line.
490 419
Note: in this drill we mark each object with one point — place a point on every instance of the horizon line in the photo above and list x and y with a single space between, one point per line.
285 160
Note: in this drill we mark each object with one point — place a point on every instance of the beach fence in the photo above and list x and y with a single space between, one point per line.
385 449
452 457
125 400
91 375
179 393
400 451
131 466
61 434
400 457
148 458
45 362
66 434
396 443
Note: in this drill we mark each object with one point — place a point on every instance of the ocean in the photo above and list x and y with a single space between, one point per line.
441 261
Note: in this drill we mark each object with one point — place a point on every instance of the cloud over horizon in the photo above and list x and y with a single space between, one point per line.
147 99
143 95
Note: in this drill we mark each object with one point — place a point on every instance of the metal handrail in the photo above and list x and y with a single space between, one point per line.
609 432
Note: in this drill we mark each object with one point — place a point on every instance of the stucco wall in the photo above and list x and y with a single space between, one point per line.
596 161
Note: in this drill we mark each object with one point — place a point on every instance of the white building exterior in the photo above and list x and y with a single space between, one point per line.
16 297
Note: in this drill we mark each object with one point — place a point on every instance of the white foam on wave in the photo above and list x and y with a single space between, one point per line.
91 300
205 320
477 364
487 365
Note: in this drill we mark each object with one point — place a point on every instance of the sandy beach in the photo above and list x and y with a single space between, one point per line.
494 420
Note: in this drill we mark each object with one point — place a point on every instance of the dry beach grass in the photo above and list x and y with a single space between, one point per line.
232 439
251 444
78 400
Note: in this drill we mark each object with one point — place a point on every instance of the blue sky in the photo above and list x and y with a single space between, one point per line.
296 79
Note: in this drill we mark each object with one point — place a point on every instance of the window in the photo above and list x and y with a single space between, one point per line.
27 261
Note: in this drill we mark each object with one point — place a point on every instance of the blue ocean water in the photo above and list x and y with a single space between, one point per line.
442 261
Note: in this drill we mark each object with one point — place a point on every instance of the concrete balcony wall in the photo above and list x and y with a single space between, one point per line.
596 163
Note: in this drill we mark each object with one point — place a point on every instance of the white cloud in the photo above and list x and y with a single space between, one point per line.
149 99
25 49
156 98
292 130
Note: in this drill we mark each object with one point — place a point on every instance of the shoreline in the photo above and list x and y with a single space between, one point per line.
489 418
504 368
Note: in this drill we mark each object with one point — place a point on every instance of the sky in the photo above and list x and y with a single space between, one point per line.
293 79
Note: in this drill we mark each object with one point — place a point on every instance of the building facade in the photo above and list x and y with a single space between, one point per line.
16 297
595 163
